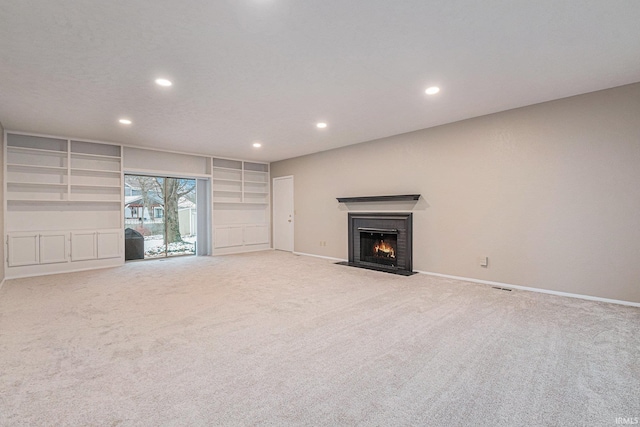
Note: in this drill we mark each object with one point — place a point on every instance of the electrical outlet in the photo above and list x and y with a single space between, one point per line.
483 261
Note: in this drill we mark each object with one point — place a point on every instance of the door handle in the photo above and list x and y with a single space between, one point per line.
288 220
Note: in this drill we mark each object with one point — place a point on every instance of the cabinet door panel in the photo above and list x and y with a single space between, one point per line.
108 244
256 234
228 236
83 246
23 249
53 248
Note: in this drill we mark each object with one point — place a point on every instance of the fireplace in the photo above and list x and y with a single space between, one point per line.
381 241
379 247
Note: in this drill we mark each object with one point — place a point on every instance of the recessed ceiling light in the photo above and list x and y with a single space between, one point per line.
432 90
125 121
257 145
321 125
163 82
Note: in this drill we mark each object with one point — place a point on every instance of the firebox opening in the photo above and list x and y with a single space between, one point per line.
379 248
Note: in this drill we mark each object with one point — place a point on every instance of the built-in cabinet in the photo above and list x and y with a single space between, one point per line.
63 204
240 205
48 247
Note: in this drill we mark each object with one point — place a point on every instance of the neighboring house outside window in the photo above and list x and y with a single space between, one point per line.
134 212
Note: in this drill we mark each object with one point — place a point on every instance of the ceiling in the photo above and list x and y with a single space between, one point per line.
269 70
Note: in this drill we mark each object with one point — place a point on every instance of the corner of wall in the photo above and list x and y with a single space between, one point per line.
2 210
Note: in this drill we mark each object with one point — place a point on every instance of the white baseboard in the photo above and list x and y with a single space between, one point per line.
504 285
243 250
539 290
319 256
51 273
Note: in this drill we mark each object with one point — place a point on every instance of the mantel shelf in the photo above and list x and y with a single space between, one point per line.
364 199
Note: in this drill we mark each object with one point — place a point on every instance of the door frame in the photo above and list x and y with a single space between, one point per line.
273 216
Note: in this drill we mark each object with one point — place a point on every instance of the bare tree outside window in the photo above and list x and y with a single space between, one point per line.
172 190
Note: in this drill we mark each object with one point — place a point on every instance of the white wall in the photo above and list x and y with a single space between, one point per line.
140 160
548 192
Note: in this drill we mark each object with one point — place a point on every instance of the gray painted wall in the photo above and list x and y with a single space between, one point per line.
550 193
2 210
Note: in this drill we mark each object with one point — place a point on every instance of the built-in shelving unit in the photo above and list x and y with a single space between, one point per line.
240 205
236 181
63 204
56 170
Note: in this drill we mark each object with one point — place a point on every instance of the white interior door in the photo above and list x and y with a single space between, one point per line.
283 218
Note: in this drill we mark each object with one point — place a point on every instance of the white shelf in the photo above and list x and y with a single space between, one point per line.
95 170
240 203
227 169
96 186
35 150
227 180
40 201
256 182
228 191
38 184
118 202
97 156
20 165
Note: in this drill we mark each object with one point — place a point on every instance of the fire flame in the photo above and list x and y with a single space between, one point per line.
384 249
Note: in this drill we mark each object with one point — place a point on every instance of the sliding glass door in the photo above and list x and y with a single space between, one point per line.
180 216
160 217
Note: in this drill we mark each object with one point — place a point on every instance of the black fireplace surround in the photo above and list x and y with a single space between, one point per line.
381 241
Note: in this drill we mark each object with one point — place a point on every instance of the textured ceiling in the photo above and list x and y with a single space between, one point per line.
268 70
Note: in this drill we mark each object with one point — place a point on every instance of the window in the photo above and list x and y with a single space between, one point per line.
165 214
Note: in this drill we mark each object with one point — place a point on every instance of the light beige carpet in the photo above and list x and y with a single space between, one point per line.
272 338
